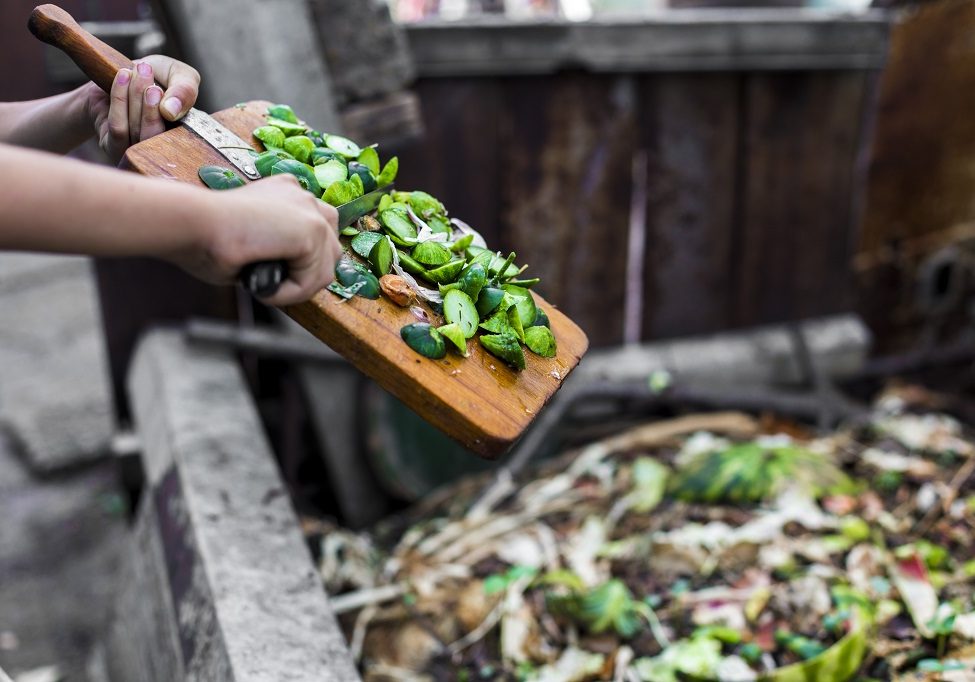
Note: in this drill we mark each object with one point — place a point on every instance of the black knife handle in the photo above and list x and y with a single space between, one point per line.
264 279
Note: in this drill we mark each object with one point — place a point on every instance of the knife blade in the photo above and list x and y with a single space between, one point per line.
223 140
263 279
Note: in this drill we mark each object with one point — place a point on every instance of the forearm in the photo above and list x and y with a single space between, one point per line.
62 205
56 124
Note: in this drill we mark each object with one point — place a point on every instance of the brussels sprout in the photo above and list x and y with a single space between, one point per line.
431 254
424 339
287 127
364 174
541 319
348 274
497 322
388 174
399 226
216 177
384 203
341 192
514 321
381 256
411 266
426 206
266 161
526 305
343 146
506 347
283 112
460 246
453 333
370 159
446 273
363 242
302 171
459 309
356 182
270 137
472 279
300 147
330 172
540 341
439 224
488 300
323 155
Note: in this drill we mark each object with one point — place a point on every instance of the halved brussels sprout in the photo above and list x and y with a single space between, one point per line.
431 254
302 171
300 147
424 339
216 177
506 347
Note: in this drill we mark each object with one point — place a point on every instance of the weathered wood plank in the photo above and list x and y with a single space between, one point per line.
228 582
566 151
795 238
690 125
689 40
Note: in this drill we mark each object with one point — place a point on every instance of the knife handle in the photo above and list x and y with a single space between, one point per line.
100 62
264 279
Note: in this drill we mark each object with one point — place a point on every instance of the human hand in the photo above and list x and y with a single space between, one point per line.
271 219
137 108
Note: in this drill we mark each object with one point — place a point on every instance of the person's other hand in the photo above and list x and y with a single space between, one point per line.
271 219
137 108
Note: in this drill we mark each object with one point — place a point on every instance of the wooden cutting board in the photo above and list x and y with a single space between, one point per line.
479 401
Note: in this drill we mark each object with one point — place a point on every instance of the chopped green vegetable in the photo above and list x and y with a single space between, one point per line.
343 146
330 172
302 171
453 333
216 177
300 147
271 137
266 161
389 172
283 112
381 256
459 309
363 242
364 174
431 254
506 347
341 192
370 159
424 339
540 341
348 273
287 127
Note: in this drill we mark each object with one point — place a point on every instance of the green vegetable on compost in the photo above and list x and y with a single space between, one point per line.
409 238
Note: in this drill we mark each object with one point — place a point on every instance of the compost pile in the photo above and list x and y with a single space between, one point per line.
709 547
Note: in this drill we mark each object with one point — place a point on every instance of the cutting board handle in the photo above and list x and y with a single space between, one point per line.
99 61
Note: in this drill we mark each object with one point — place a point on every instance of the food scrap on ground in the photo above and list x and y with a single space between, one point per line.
709 547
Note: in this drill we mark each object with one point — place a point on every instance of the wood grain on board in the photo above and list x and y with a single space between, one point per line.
479 401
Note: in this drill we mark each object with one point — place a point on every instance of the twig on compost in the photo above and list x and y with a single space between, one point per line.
479 632
373 595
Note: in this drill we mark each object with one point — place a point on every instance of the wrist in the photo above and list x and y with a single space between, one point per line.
79 122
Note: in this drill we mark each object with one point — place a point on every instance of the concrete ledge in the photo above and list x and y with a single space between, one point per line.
220 585
675 40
